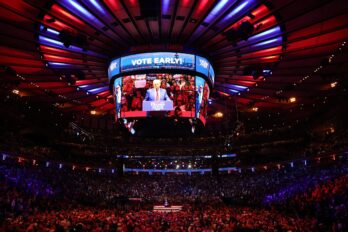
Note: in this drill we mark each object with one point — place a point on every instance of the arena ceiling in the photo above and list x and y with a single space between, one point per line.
58 51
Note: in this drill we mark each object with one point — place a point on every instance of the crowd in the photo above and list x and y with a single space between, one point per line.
204 219
302 198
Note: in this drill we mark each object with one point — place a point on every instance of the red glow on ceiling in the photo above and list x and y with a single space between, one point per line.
268 22
260 11
236 24
185 3
202 5
114 5
47 49
264 52
104 94
61 59
133 2
99 102
58 25
317 40
245 83
86 82
269 58
61 13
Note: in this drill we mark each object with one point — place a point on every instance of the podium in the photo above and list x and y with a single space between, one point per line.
163 209
157 105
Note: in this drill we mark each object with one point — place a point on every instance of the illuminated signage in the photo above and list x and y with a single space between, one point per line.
211 74
157 60
161 60
202 65
114 68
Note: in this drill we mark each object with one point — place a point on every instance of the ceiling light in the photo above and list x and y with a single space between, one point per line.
15 91
292 99
218 115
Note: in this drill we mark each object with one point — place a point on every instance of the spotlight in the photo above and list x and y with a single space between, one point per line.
132 131
333 84
193 129
15 91
218 115
292 99
93 112
266 72
43 29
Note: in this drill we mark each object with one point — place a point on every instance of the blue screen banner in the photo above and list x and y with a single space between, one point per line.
157 60
161 60
202 65
114 68
211 74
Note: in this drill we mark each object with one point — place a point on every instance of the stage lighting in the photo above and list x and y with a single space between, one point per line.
132 131
255 109
66 37
266 72
193 129
292 99
218 115
246 29
333 84
15 91
93 112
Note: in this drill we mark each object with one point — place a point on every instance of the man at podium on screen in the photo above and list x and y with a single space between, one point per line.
156 93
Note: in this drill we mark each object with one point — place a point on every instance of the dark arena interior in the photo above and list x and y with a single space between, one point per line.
174 115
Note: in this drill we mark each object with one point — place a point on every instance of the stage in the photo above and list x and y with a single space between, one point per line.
168 209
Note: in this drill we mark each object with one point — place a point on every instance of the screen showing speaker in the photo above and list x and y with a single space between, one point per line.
161 95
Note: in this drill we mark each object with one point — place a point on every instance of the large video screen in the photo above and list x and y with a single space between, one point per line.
157 60
161 60
155 95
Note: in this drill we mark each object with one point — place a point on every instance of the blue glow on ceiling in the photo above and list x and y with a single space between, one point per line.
54 32
271 41
220 6
239 88
97 6
79 10
100 9
98 90
237 10
58 64
83 86
57 44
45 29
49 41
165 6
268 33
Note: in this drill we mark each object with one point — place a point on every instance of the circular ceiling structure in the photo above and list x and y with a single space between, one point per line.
262 51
